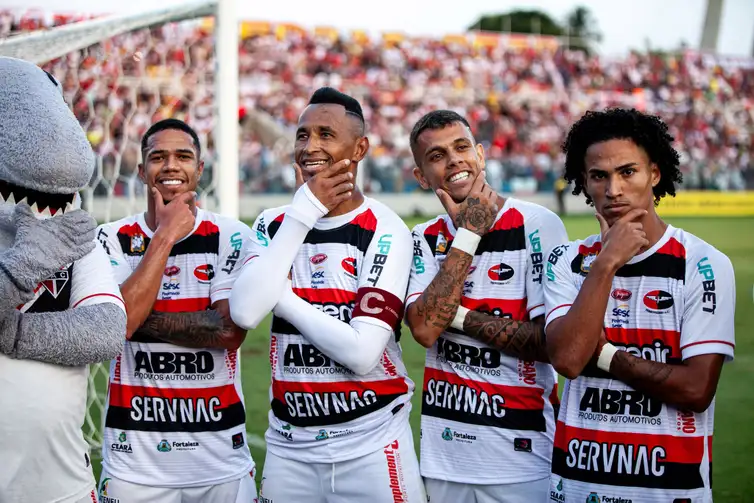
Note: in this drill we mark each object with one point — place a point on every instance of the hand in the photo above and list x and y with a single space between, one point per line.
622 241
331 185
174 220
600 344
43 247
477 212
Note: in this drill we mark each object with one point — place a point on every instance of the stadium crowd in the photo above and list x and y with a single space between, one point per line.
519 98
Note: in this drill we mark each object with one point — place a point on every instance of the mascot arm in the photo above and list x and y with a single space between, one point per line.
91 330
11 294
80 336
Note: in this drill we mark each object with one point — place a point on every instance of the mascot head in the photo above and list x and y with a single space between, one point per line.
45 156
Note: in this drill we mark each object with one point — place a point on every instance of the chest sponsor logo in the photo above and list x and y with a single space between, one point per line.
465 358
318 258
349 266
614 458
620 294
172 270
174 366
619 406
307 359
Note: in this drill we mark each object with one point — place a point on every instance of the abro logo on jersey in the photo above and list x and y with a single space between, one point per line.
616 459
468 358
174 366
307 359
500 273
619 406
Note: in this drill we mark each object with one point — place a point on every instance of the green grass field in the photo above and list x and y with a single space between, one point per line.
734 419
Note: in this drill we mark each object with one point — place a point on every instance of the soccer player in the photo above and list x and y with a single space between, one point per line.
640 321
333 268
475 301
175 418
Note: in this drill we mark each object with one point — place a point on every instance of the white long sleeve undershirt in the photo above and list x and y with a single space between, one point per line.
263 280
357 346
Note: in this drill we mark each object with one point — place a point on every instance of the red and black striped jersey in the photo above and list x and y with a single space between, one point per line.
480 407
670 303
175 416
321 411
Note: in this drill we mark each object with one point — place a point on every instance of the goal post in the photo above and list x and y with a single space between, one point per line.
121 73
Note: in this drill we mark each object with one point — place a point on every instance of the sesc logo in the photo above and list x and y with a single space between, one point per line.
658 301
500 273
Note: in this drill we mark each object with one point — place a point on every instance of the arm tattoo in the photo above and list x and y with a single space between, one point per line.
439 302
520 339
200 329
638 372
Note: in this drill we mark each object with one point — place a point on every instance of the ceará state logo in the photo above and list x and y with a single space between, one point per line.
658 301
500 273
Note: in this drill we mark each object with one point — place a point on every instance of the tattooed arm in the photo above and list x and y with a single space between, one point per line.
688 386
436 308
520 339
201 329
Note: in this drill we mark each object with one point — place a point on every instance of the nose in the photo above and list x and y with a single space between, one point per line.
454 158
614 186
311 145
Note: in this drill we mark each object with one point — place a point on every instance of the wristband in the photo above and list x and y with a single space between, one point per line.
457 322
306 208
606 357
466 241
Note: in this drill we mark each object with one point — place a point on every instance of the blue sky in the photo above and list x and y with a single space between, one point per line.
625 25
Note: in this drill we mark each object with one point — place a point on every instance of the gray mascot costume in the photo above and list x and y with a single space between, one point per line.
60 308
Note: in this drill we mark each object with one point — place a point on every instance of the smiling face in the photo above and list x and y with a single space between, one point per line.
619 178
171 163
448 158
325 135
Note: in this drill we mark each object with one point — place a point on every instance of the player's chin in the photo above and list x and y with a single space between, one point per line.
170 192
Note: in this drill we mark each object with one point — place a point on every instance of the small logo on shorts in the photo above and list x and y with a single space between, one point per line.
522 444
322 435
593 498
237 440
164 446
447 434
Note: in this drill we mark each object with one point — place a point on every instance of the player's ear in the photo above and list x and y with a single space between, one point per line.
142 176
423 183
480 155
362 147
655 173
199 171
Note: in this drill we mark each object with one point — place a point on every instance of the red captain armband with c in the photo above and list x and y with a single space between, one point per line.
380 304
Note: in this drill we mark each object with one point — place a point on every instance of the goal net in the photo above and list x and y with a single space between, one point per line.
122 73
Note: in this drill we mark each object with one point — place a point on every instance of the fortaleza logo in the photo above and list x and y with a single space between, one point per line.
500 273
595 498
658 301
449 435
165 446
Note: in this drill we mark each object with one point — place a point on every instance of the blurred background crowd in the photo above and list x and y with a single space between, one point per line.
520 95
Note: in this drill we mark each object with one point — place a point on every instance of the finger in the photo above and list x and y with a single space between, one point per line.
186 198
335 168
636 226
342 187
340 178
603 224
299 175
446 200
479 183
159 202
489 193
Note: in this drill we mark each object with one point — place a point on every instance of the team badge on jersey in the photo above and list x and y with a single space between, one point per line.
55 283
442 243
586 262
137 243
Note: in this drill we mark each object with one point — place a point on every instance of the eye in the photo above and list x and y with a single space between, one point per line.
300 136
435 157
629 171
596 175
462 148
326 134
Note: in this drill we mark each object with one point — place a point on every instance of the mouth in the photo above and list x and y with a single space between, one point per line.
42 203
170 183
616 206
314 166
458 177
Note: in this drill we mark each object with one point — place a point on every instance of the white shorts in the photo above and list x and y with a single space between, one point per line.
442 491
113 490
389 475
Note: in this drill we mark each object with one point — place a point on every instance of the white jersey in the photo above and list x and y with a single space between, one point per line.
175 416
43 454
320 410
670 303
480 407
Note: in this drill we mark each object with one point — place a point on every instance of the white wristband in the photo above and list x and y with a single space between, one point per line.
460 316
306 208
606 357
466 241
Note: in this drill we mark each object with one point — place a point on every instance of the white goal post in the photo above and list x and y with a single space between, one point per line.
67 51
